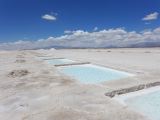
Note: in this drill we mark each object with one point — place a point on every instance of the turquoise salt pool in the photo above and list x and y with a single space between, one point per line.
59 61
93 74
145 101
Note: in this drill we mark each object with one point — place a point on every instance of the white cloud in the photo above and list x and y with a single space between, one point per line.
118 37
67 31
49 17
95 28
152 16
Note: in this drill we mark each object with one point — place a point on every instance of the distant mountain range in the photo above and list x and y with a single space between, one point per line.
145 44
137 45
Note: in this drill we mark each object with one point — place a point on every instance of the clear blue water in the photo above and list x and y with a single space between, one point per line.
149 104
59 61
93 74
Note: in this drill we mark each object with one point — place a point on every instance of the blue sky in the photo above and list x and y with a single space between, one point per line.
22 19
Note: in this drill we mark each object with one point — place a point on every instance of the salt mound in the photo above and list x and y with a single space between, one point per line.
18 73
20 61
20 56
52 49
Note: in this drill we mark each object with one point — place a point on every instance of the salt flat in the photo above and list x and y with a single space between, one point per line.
143 62
30 89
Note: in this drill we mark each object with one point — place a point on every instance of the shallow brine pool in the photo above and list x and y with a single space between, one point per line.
146 101
59 61
93 74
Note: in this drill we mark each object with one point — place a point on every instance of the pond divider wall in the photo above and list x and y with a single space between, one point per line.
132 89
81 63
52 58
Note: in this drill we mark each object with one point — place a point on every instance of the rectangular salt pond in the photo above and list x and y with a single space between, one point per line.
146 102
93 74
59 61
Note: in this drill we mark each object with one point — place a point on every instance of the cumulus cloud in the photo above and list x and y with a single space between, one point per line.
152 16
118 37
68 31
49 17
95 28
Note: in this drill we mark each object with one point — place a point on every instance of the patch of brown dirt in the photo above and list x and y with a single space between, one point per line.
20 61
18 73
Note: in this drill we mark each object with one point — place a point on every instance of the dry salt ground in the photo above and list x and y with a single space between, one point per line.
43 93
